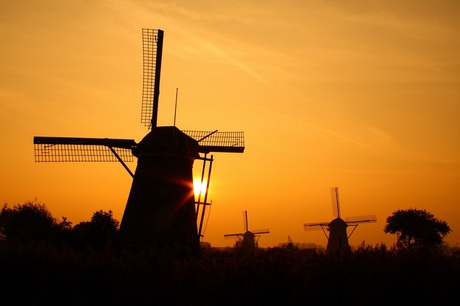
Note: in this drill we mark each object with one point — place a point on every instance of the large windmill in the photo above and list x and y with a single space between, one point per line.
161 210
247 240
337 240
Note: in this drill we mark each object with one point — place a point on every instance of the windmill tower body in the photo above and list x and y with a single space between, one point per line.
161 209
161 206
248 244
338 238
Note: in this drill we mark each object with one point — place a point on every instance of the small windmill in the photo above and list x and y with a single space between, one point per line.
247 240
161 210
337 240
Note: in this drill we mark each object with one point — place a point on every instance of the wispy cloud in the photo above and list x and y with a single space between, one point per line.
286 117
200 35
222 53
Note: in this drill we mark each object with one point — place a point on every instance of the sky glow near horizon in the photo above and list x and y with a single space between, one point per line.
363 96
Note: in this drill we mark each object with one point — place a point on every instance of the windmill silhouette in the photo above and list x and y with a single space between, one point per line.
247 240
337 240
161 209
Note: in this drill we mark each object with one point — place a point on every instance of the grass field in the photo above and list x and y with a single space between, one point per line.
37 275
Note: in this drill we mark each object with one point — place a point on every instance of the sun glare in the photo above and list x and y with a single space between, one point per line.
198 187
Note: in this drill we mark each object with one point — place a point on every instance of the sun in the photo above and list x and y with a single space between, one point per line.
199 187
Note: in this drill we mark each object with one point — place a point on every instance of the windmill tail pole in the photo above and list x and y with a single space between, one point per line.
246 220
175 107
206 193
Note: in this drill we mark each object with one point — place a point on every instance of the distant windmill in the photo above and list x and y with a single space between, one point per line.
161 209
337 241
247 240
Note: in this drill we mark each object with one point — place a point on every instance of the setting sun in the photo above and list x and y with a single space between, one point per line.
199 187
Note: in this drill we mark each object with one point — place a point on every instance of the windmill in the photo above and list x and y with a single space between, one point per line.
337 240
247 240
161 209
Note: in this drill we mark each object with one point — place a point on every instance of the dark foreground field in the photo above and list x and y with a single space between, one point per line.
38 275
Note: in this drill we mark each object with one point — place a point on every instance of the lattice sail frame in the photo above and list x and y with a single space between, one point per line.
67 149
240 235
152 47
350 221
214 141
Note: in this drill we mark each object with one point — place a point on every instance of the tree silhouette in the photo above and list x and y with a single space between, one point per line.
100 232
28 222
417 229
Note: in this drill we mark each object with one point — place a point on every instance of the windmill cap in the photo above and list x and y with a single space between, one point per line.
167 139
338 222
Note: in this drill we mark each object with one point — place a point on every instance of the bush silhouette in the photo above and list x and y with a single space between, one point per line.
98 233
28 222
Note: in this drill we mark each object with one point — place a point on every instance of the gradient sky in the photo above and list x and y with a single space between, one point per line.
363 95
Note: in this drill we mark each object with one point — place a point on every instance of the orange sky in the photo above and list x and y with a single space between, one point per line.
363 95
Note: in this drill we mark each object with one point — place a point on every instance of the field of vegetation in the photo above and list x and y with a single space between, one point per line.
35 274
46 262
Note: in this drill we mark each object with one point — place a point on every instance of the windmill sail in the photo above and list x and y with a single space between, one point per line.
247 241
234 235
246 228
218 141
152 45
335 202
70 149
245 221
315 226
361 219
